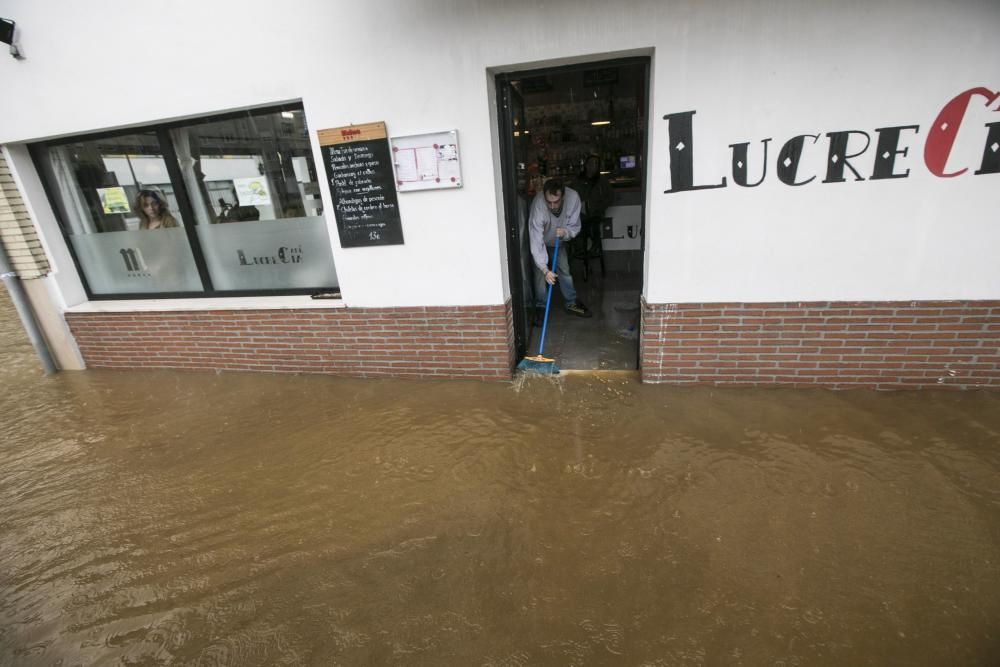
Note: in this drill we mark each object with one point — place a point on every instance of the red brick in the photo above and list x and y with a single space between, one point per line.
477 340
885 344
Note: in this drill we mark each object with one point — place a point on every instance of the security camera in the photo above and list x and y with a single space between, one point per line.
7 37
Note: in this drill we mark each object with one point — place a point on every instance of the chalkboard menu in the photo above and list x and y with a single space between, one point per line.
359 167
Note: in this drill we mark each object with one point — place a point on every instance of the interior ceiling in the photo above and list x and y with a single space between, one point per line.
570 86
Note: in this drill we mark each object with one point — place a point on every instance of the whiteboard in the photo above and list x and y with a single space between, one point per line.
426 161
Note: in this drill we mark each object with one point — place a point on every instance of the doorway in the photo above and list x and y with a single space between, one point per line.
552 123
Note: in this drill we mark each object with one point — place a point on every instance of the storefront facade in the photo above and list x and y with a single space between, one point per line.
819 182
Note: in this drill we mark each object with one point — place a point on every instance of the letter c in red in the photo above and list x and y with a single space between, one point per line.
941 136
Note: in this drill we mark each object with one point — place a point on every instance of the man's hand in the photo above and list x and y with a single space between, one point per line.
550 277
560 232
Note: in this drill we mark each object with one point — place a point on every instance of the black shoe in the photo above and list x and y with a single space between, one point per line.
577 308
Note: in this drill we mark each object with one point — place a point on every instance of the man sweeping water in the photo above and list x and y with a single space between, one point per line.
555 213
555 216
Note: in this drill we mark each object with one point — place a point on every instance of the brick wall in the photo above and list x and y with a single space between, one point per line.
886 345
17 233
468 342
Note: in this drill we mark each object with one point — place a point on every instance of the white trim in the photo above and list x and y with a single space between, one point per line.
297 302
83 131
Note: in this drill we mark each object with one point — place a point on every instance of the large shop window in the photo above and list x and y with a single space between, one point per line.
222 205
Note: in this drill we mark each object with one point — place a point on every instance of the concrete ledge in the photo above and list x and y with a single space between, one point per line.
221 303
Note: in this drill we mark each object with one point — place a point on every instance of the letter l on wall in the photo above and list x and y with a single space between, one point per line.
681 138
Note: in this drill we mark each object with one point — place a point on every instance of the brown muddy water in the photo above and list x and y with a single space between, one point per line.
156 518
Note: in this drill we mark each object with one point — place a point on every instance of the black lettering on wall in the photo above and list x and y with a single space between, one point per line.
740 164
681 138
838 158
991 152
789 157
886 151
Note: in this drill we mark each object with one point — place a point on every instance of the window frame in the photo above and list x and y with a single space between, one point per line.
39 155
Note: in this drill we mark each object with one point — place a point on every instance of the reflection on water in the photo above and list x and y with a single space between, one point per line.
235 519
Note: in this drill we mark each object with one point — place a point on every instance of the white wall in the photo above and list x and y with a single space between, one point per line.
751 70
852 66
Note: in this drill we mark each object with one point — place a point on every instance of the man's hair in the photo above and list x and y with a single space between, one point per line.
553 186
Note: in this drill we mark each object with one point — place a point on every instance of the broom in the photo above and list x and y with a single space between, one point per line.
539 364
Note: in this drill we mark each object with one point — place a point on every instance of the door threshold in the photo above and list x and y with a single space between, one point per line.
596 372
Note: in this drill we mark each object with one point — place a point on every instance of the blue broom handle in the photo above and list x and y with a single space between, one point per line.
548 298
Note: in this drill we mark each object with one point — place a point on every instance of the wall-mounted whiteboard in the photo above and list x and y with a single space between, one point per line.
426 161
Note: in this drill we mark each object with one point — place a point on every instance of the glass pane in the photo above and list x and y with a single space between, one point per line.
281 254
119 262
256 201
112 192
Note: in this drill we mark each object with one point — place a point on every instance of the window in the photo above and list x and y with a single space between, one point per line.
97 185
223 205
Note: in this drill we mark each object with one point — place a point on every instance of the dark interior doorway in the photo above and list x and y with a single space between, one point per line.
551 122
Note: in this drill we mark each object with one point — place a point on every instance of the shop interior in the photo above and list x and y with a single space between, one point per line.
557 121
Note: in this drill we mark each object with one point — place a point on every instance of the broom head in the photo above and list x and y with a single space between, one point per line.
538 365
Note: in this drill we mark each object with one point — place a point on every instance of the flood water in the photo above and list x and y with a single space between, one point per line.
156 518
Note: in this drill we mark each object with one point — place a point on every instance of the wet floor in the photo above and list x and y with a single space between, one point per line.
609 339
155 518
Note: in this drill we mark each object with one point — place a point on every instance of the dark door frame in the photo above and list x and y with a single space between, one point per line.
511 205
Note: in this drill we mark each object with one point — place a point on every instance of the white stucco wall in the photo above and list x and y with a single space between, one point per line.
751 70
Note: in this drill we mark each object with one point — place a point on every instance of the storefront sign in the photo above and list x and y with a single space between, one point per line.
890 144
359 167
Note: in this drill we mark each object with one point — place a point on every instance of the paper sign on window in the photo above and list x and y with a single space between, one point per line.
113 200
252 191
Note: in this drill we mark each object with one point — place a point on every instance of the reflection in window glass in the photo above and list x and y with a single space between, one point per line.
255 167
256 201
111 193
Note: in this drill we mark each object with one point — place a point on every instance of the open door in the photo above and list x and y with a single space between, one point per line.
585 125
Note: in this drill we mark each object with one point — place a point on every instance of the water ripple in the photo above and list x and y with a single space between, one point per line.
240 519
